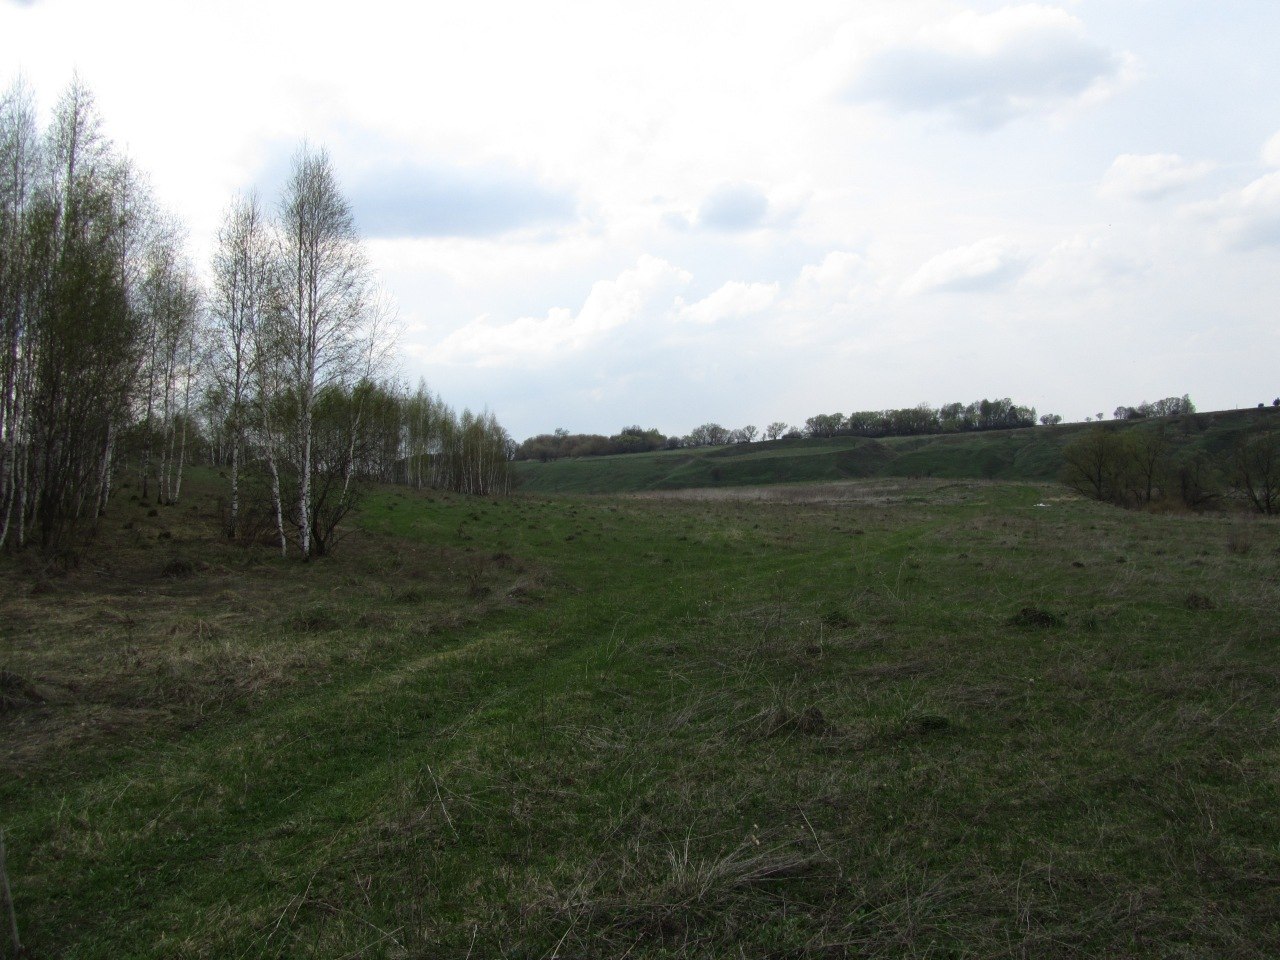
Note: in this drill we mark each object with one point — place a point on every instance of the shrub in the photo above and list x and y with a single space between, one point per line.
1256 471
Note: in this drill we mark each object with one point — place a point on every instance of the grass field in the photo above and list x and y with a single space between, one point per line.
1033 454
879 718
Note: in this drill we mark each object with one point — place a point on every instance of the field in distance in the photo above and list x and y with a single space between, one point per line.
884 718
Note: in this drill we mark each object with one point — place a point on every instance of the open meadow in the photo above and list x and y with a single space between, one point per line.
880 718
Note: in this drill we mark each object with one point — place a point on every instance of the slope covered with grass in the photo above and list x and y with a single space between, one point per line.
1033 454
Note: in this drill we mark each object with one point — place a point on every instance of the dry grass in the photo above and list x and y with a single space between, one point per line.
878 492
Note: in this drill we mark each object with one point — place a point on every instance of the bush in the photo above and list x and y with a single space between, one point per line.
1199 482
1256 471
1128 468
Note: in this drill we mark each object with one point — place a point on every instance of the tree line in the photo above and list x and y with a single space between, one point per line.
634 439
118 359
1002 414
1168 407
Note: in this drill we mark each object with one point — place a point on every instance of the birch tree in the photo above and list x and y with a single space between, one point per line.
238 306
19 160
82 341
171 299
323 293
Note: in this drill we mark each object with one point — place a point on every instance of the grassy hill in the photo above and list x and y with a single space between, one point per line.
902 718
1032 454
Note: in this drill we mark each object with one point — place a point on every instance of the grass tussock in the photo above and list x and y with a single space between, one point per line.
17 692
1036 618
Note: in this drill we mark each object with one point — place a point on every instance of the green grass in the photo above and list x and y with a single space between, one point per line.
1033 454
890 718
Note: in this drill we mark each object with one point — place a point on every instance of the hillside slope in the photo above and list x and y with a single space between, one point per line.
1032 454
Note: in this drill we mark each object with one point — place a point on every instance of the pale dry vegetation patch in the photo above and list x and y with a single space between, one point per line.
875 492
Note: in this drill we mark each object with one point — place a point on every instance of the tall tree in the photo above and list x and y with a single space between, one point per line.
19 166
171 301
83 342
324 290
238 309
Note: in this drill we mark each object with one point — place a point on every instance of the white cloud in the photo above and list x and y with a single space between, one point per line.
1081 263
643 292
836 278
1271 151
985 265
1151 176
734 299
986 69
1246 219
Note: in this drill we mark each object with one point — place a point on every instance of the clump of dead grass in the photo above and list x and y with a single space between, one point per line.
1036 618
16 692
1239 541
180 567
669 893
1199 601
314 619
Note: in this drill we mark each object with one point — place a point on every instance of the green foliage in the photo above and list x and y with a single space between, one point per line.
1168 407
1000 414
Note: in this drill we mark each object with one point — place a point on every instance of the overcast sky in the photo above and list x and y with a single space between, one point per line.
666 213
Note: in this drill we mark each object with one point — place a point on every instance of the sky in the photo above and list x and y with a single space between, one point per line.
591 215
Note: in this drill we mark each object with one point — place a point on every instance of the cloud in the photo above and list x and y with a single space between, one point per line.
985 265
1082 263
443 201
839 273
734 207
675 220
1246 219
1150 176
987 69
1271 151
641 313
643 292
734 299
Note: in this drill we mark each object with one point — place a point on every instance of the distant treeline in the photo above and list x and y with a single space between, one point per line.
1002 414
562 443
1168 407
